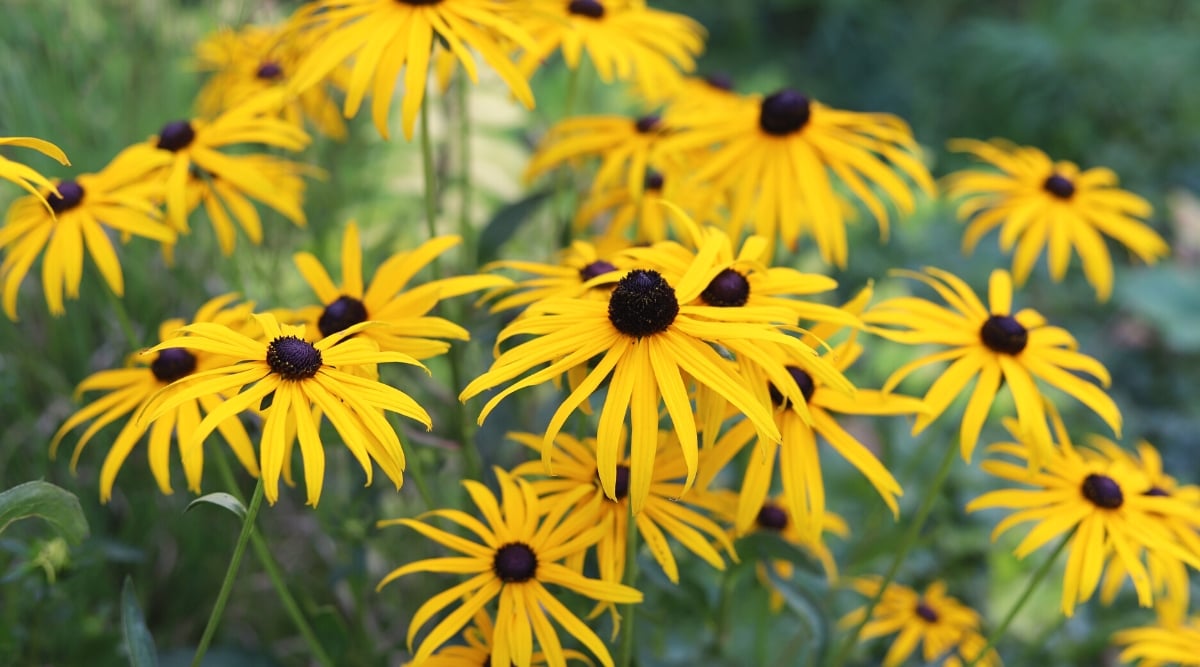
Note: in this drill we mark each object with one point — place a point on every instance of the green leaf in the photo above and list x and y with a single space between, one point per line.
55 505
138 641
506 222
764 545
220 499
801 597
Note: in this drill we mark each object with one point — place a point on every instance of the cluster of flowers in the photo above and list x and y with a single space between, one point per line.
666 307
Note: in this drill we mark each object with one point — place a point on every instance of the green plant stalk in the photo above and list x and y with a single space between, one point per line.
235 562
625 652
466 189
561 216
123 320
906 545
274 573
1030 587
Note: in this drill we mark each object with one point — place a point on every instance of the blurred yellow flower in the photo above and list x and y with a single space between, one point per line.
26 177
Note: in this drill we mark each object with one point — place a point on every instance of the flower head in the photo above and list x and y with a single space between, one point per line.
26 177
515 555
1038 203
1161 644
582 269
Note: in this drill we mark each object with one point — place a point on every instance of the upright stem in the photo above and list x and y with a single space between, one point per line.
430 172
931 495
275 573
561 217
625 655
466 193
123 317
214 619
1030 587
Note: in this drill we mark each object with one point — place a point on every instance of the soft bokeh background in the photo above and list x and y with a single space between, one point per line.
1098 82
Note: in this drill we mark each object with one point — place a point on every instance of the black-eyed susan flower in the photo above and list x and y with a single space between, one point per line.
197 171
28 178
573 276
624 215
624 39
1101 504
993 346
1161 644
647 339
1039 203
930 620
667 511
627 147
401 318
780 157
516 554
477 652
249 61
386 36
797 456
303 380
118 197
128 390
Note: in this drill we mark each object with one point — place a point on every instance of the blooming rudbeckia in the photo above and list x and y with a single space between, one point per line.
118 198
401 320
1161 644
626 148
516 555
385 36
991 345
477 652
776 154
1101 504
300 377
1038 203
666 512
254 59
624 39
641 217
578 265
28 178
931 620
130 389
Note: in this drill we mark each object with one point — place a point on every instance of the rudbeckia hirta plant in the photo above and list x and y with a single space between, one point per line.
80 214
26 177
1039 203
299 381
627 147
574 275
128 390
781 158
480 637
514 556
992 345
386 36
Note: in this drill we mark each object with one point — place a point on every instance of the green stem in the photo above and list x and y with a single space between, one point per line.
625 654
430 171
466 193
275 573
123 318
560 219
235 562
1030 587
931 494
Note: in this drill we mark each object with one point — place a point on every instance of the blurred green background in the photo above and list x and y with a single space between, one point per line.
1096 82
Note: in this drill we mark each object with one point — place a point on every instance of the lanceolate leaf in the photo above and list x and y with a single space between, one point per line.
220 499
138 641
57 506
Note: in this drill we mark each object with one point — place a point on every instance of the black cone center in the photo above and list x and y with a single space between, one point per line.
269 71
803 380
784 112
653 181
720 81
343 313
293 358
1103 491
729 289
589 8
515 563
1059 186
596 269
72 196
172 364
176 136
927 613
772 517
642 304
1004 334
648 123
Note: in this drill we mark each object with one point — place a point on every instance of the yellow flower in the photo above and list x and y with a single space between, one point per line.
935 622
1161 644
992 345
247 62
578 266
641 217
26 177
775 155
196 171
666 512
385 36
1100 503
624 39
303 380
401 319
480 638
1038 203
128 390
118 198
516 555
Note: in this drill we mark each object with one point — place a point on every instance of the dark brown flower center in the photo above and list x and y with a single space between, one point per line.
1060 186
514 563
419 3
72 196
343 313
589 8
1157 492
596 269
653 181
647 124
1103 491
772 517
1004 334
729 289
172 364
269 71
293 358
927 613
720 81
176 136
621 488
642 304
784 112
803 380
